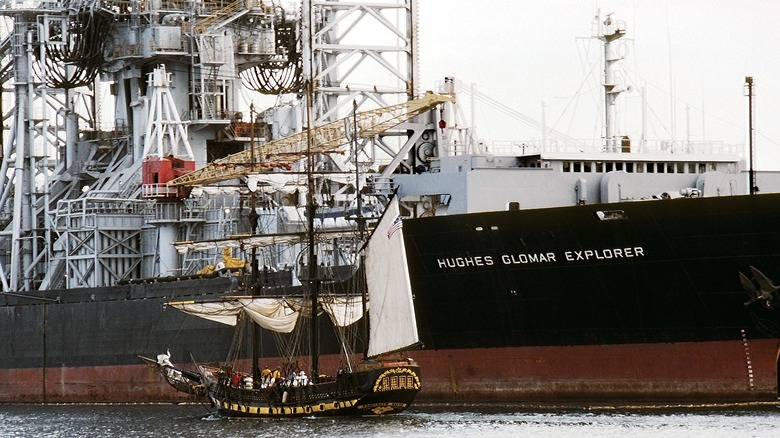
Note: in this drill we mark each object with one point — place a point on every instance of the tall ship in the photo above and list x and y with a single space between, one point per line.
141 170
382 383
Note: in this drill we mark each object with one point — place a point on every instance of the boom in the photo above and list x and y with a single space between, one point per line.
283 152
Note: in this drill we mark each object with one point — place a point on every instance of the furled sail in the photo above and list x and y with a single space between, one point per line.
275 314
223 312
254 241
343 311
392 320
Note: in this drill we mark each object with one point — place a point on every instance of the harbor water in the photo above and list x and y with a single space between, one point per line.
462 421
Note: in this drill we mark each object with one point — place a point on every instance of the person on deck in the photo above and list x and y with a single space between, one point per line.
265 376
302 379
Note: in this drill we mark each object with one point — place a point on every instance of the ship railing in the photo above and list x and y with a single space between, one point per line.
202 114
164 212
159 191
89 206
381 185
222 15
511 148
662 147
29 5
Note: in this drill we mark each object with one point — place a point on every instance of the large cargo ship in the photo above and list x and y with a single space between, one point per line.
557 272
631 300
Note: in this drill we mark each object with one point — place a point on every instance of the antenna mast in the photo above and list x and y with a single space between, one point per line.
751 152
609 31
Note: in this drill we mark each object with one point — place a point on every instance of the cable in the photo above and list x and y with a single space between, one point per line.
80 46
276 77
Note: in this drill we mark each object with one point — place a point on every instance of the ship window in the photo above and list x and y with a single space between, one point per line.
577 167
599 167
630 167
680 167
567 166
493 227
619 166
640 167
669 167
479 228
691 167
586 167
650 167
702 169
611 215
608 166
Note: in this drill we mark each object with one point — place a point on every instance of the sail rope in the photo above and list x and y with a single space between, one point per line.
238 336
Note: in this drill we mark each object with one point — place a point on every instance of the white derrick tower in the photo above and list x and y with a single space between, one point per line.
165 132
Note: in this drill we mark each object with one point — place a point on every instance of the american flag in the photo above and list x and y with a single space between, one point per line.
397 225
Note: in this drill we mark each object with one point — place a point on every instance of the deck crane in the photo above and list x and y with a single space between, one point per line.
285 151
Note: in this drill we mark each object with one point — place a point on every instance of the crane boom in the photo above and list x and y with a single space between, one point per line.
283 152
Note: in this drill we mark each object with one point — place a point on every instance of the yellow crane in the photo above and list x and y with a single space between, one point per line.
325 138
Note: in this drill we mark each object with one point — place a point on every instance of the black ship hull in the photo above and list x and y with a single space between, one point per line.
83 345
634 301
513 293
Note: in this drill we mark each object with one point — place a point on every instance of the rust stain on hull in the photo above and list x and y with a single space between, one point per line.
708 371
673 372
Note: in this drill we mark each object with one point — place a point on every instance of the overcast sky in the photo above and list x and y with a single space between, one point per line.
690 57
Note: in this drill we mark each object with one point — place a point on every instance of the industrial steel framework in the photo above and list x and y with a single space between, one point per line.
60 62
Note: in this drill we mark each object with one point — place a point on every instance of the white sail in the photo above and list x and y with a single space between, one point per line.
276 314
391 315
253 241
343 311
223 312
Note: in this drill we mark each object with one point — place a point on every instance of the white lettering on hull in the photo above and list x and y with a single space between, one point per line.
463 262
522 259
540 257
604 254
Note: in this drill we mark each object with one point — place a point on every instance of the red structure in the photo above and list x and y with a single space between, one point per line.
158 171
